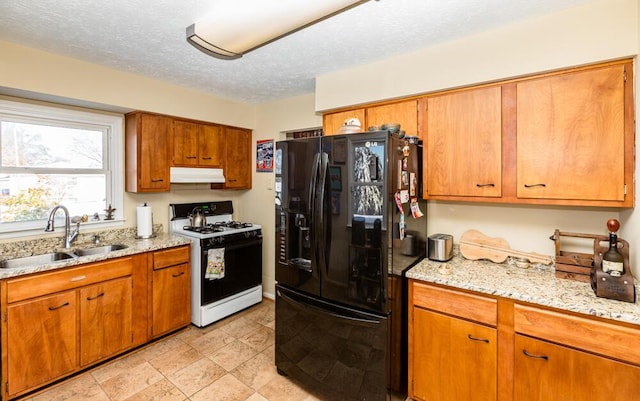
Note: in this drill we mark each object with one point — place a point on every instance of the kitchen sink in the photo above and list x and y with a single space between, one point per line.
46 258
99 250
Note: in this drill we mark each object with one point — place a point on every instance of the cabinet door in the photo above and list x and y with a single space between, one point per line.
105 319
171 299
211 145
548 372
42 340
331 122
571 136
147 148
403 113
464 143
452 359
185 143
238 164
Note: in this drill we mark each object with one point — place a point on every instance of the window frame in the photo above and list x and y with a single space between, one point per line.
112 146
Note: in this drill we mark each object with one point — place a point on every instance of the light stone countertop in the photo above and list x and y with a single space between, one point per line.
536 284
126 237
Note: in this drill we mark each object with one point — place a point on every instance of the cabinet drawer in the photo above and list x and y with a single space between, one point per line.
467 306
47 283
612 340
170 257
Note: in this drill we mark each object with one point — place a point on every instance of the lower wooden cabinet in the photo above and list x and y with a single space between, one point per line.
59 322
171 299
550 372
453 358
42 340
105 319
531 353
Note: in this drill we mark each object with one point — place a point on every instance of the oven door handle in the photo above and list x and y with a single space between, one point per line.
235 245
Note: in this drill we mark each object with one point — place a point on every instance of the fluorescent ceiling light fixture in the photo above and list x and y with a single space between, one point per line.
238 26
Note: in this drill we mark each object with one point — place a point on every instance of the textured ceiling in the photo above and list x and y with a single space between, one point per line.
147 37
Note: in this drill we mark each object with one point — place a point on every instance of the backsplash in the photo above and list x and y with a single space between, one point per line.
55 243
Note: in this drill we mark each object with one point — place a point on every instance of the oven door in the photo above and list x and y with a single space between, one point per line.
242 269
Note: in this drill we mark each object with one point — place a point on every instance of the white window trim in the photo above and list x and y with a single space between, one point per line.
115 124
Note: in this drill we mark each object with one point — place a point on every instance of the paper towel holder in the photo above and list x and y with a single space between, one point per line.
152 235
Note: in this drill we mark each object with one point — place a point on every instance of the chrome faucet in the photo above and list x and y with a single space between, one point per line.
69 236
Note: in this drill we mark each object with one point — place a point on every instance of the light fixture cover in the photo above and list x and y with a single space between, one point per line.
237 26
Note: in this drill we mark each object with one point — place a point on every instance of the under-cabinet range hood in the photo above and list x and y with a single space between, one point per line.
193 175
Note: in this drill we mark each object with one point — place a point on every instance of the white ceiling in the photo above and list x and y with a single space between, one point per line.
147 37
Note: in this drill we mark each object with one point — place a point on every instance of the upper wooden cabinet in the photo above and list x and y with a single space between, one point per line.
571 136
331 122
403 113
463 155
563 138
197 145
237 169
154 143
147 158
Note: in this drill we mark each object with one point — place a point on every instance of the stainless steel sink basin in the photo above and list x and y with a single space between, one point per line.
99 250
43 259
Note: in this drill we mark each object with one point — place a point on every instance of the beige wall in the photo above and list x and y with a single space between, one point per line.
271 120
598 31
46 76
602 30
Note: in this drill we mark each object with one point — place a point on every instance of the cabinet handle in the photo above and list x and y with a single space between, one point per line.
96 297
484 340
207 158
177 274
485 185
191 157
157 180
52 308
524 351
232 180
534 185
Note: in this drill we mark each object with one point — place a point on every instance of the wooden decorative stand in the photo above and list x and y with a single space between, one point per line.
574 265
586 267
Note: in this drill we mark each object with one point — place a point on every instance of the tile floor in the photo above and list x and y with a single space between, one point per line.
230 360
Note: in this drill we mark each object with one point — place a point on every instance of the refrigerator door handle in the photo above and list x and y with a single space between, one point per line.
352 318
321 223
313 234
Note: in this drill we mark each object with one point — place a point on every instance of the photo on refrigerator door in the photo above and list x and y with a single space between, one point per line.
365 283
367 192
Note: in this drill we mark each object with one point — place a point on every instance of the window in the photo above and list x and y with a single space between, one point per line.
54 155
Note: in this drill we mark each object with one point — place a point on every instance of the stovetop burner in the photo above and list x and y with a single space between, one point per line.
219 222
218 227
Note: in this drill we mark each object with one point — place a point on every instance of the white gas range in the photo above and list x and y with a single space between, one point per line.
226 260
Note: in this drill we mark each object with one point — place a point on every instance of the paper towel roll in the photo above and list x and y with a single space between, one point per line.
145 221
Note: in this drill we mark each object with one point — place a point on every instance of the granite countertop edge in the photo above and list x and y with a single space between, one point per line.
134 246
536 285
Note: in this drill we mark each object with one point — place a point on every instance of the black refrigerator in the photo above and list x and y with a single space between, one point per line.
349 222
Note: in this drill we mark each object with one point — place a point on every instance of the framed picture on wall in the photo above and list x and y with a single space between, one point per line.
264 155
